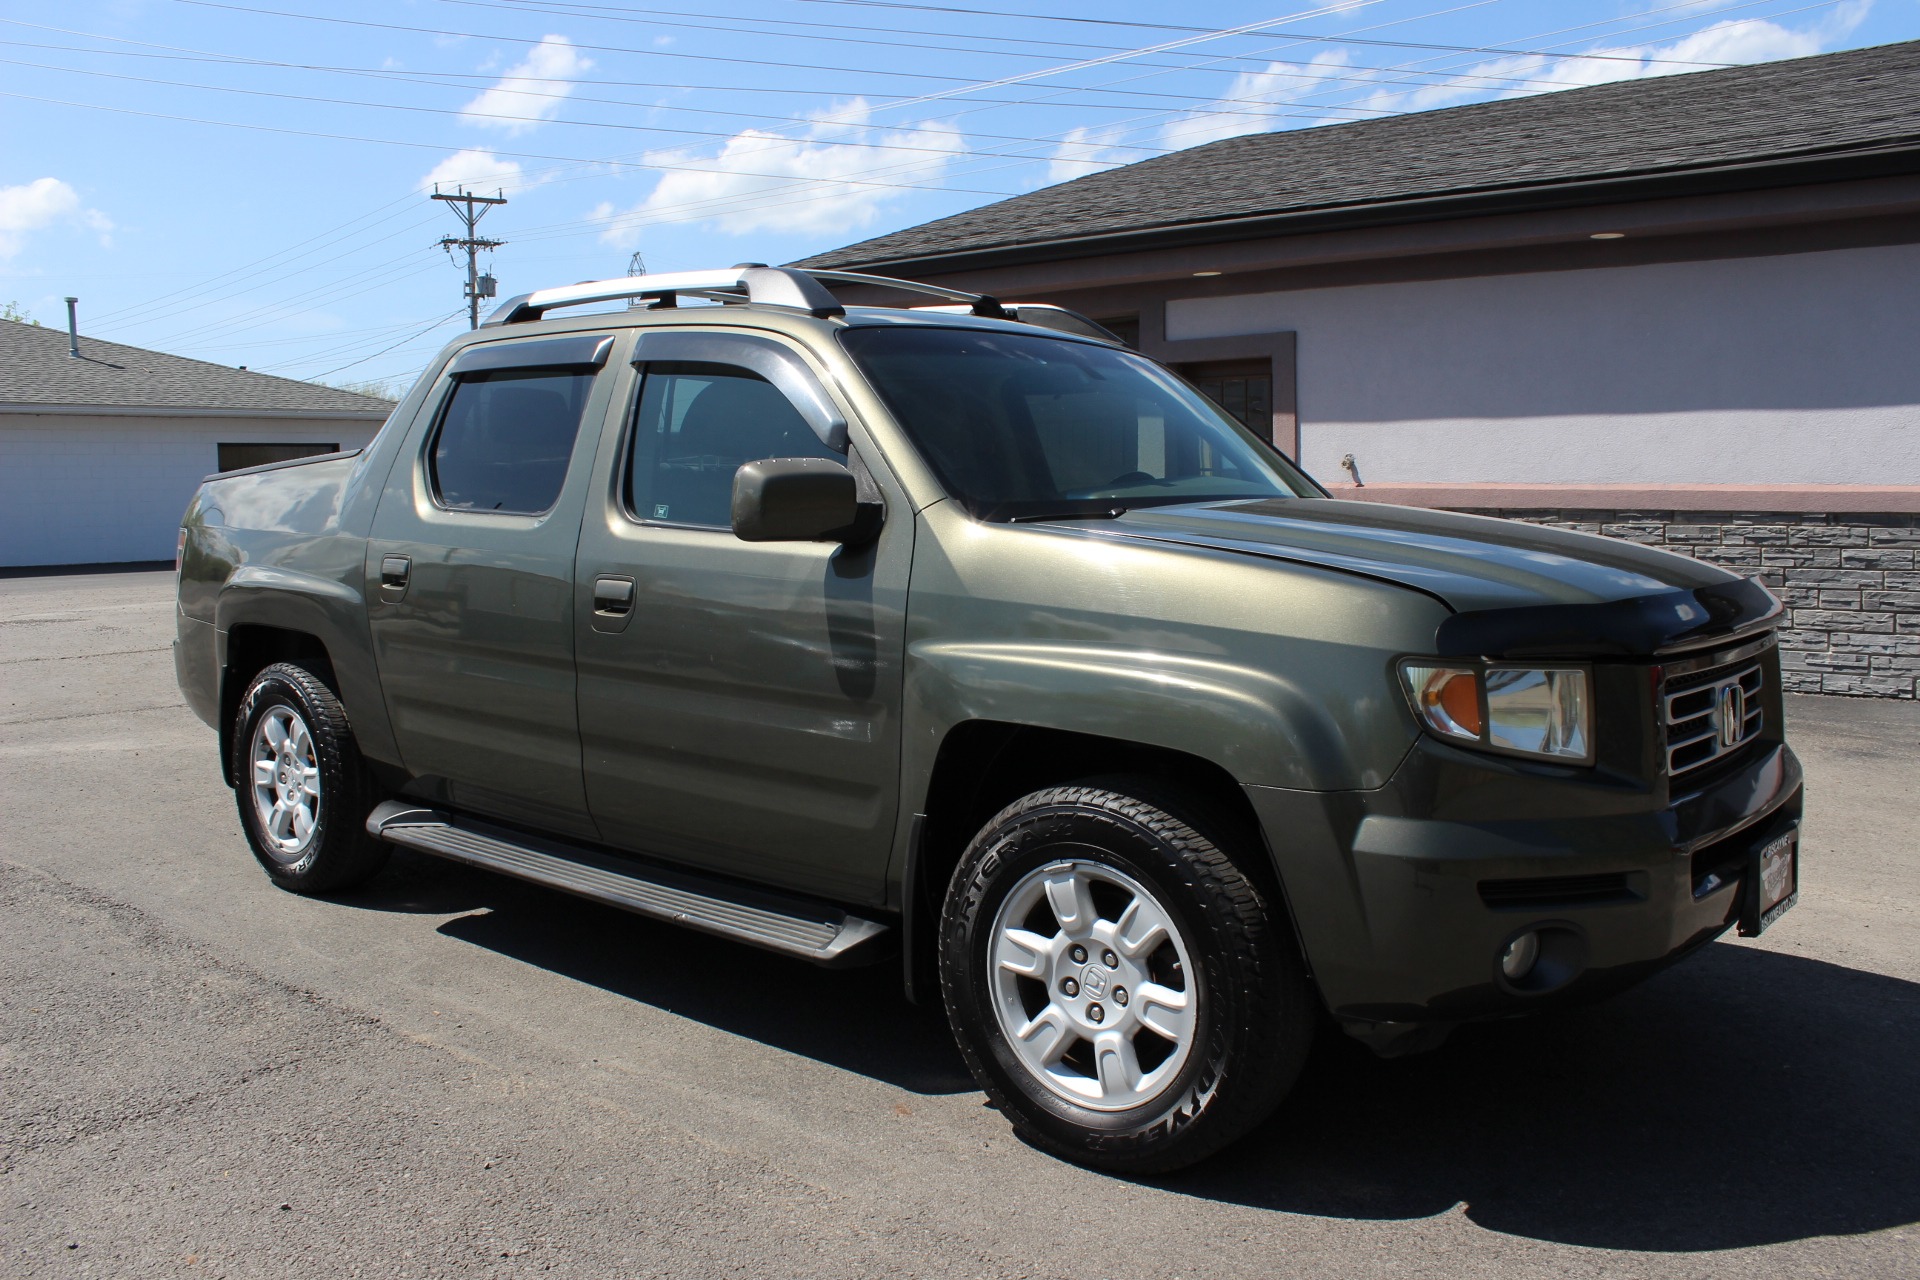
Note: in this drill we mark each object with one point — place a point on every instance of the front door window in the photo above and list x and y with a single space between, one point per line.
698 424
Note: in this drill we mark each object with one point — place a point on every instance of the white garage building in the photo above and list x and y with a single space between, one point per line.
100 452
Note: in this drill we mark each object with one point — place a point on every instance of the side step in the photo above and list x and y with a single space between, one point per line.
794 926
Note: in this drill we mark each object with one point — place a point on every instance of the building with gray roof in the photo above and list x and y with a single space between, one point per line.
100 452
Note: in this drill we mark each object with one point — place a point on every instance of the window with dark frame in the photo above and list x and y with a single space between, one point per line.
1244 388
505 439
237 457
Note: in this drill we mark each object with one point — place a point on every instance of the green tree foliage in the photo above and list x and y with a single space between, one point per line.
378 388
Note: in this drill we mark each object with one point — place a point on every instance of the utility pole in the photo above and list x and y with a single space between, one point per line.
470 209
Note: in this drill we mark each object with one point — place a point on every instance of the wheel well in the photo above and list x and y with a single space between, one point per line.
251 649
985 765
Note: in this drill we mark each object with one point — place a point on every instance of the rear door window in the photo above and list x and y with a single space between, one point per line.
506 437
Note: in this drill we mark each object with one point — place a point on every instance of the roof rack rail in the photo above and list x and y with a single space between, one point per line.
770 286
979 304
1047 315
750 282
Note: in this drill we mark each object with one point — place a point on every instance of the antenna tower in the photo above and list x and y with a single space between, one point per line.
636 266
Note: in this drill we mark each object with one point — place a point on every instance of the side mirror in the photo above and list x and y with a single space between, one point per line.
795 500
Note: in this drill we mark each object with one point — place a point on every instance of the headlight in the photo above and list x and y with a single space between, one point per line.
1546 712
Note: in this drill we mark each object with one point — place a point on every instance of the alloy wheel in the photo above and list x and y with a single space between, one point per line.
1093 985
286 783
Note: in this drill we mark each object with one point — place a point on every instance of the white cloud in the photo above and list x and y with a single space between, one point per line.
755 162
1259 100
479 171
1254 101
1083 151
531 93
42 203
1730 42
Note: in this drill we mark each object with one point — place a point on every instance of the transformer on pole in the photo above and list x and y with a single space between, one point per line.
470 209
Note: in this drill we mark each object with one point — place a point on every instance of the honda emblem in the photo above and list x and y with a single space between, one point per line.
1731 712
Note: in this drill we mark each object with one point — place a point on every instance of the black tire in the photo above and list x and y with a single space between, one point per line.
1256 1012
337 853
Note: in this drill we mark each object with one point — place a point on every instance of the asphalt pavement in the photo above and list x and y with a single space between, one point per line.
451 1073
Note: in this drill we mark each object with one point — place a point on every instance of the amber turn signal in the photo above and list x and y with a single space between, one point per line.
1448 699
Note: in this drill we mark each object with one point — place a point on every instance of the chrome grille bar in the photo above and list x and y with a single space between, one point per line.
1714 715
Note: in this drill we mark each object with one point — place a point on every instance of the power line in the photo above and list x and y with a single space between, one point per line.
573 9
376 355
137 311
465 114
435 146
655 106
182 54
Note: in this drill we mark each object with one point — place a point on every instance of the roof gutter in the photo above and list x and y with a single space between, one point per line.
1893 160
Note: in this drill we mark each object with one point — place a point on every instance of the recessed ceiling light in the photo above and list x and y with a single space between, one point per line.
1206 273
1608 235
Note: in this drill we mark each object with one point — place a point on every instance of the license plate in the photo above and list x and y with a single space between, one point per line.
1778 875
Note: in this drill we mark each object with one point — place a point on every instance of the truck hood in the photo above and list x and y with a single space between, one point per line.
1515 589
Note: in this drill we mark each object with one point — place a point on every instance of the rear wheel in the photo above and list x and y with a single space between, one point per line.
1121 989
303 790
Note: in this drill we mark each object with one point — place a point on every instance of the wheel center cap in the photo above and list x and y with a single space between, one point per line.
1093 981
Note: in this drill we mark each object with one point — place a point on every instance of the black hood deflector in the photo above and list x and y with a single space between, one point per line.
1643 626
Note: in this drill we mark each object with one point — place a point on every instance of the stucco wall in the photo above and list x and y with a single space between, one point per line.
1795 369
99 490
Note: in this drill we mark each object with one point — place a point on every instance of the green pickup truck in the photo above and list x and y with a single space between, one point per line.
962 636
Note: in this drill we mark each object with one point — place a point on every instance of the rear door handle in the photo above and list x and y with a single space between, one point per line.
394 574
612 602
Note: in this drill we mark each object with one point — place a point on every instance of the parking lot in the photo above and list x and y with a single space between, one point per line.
452 1073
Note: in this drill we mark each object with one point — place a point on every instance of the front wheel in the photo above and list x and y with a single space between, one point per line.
1124 993
303 790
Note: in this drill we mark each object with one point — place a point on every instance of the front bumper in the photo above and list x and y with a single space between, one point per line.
1403 905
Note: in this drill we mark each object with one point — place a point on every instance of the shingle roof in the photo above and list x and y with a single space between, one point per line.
1849 101
35 369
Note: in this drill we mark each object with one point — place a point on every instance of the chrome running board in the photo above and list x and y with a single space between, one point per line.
792 925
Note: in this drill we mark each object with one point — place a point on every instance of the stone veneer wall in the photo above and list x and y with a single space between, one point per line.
1849 582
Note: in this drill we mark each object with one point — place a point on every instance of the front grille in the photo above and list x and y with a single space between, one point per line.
1711 714
1544 893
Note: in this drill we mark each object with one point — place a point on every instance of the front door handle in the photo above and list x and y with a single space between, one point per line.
395 572
613 597
612 603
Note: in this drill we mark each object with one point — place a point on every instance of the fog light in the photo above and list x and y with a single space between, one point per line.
1517 961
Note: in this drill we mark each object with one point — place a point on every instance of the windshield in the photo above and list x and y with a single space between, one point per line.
1021 427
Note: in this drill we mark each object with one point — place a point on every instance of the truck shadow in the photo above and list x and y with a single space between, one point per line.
1743 1098
415 884
855 1019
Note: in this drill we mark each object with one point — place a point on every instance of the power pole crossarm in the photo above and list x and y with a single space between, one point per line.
470 209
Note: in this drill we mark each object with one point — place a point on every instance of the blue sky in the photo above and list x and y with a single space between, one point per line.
245 181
